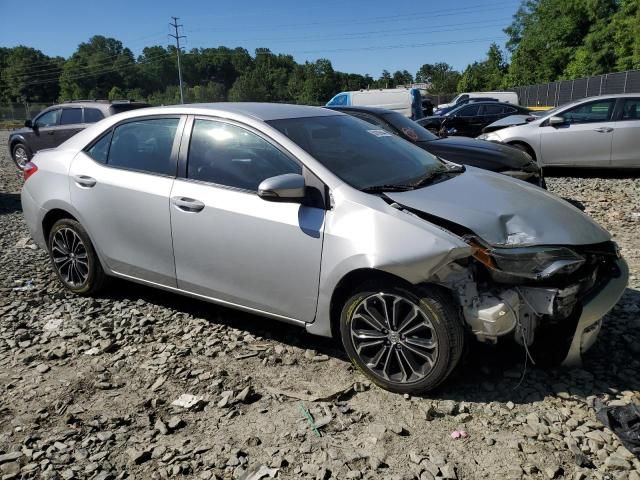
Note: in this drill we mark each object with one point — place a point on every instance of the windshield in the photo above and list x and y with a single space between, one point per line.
409 128
357 152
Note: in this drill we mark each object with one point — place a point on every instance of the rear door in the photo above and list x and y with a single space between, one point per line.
583 140
489 113
44 130
230 244
121 185
465 122
625 151
71 122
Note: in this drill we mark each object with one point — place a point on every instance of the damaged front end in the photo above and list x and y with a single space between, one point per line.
523 290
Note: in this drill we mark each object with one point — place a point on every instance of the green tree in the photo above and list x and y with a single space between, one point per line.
625 29
485 75
552 39
96 67
402 78
116 93
441 77
28 75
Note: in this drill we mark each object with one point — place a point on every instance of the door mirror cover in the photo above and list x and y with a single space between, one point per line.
287 187
28 123
556 120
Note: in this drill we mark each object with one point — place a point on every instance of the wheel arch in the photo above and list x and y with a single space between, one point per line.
18 139
51 217
347 285
527 147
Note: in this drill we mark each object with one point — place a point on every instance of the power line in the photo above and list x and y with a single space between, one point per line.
177 36
47 63
103 71
379 19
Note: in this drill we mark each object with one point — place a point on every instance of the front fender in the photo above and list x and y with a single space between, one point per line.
384 239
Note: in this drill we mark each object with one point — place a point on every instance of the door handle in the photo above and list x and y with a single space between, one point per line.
603 129
84 180
187 204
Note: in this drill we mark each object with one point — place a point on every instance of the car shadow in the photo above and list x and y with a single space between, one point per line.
485 374
10 203
253 324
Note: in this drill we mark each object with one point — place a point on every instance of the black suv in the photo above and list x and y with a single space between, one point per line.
60 122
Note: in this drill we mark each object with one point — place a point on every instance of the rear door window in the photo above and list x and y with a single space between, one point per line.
145 145
492 109
469 111
92 115
100 150
71 116
631 109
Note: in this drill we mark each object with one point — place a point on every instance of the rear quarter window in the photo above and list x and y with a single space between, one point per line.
92 115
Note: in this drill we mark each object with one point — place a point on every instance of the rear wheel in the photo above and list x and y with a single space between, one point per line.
404 340
20 155
74 259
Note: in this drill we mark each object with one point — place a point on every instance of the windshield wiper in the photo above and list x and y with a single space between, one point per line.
432 176
386 188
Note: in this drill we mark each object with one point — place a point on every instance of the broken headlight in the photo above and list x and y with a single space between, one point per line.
537 263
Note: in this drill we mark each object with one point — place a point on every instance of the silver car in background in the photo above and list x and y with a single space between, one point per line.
598 132
316 218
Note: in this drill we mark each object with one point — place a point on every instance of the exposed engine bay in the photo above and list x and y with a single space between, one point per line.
496 300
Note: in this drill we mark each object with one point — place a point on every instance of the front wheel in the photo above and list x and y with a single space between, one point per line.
20 155
404 340
74 259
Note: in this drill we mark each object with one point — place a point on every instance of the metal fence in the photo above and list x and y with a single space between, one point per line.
558 93
20 111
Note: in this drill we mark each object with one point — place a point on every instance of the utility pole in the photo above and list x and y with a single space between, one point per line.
178 37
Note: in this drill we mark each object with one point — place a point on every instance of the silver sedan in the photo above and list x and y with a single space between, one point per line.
316 218
598 132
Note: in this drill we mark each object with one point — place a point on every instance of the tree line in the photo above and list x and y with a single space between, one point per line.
548 40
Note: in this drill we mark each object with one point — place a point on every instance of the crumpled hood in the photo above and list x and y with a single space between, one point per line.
509 121
503 157
504 211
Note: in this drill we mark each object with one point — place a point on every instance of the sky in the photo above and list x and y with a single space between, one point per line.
357 36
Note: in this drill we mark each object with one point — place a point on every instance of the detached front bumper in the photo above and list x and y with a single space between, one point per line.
595 306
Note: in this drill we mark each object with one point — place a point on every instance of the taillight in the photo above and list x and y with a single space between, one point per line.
28 170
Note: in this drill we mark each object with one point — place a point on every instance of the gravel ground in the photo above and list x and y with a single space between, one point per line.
145 384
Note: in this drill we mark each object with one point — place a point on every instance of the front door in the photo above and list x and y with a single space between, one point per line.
232 245
583 140
121 184
44 130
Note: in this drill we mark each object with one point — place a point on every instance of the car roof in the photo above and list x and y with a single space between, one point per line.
374 110
99 104
259 111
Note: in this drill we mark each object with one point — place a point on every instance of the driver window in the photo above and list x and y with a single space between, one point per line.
592 112
48 119
228 155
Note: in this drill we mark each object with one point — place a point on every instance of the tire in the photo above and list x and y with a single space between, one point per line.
20 155
74 259
524 148
397 363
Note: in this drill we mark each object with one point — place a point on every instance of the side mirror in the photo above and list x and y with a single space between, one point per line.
28 123
282 188
555 121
